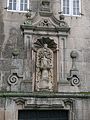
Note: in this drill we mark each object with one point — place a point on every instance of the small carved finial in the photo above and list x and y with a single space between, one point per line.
15 52
74 55
61 16
28 16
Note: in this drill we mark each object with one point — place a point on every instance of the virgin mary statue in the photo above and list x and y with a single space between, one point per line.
45 67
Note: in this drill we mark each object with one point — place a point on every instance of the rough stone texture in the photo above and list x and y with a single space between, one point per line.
1 114
11 38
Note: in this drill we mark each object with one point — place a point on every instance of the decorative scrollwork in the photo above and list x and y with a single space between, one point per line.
63 24
13 79
74 75
75 81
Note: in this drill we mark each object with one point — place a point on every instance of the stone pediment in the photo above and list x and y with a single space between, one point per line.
52 23
46 23
44 19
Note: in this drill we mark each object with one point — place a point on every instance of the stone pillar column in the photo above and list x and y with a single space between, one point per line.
62 59
28 57
58 60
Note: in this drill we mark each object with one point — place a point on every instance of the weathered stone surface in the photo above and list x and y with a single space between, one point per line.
1 114
5 65
26 86
14 41
2 102
16 58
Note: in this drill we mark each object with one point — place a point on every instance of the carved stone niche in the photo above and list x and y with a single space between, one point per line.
45 64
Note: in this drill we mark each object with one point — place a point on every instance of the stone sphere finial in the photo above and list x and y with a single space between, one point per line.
74 54
15 52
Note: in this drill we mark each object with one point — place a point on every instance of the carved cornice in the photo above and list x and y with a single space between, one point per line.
84 95
35 28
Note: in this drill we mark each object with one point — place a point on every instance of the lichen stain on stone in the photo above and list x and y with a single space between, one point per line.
12 42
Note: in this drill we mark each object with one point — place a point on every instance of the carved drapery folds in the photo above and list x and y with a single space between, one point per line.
44 68
44 64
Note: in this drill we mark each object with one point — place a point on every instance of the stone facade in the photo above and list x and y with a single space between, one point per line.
35 77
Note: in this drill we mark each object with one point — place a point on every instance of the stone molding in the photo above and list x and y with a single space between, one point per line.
84 95
43 103
35 103
48 23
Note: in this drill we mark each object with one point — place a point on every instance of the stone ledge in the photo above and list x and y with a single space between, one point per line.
84 95
35 28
